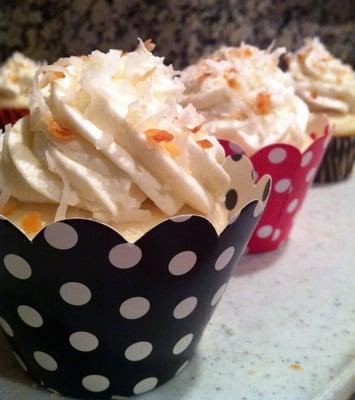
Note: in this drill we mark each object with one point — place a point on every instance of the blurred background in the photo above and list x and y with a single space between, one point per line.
182 29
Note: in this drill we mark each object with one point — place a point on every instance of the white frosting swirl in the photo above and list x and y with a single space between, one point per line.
16 76
247 99
322 80
106 132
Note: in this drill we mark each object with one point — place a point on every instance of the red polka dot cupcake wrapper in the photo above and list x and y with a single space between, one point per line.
11 115
89 315
292 174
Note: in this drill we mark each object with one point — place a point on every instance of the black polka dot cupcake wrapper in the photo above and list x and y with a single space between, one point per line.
338 161
91 316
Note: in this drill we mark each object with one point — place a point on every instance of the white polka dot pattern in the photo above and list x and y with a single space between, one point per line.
292 206
282 185
107 300
218 295
145 385
182 263
264 231
138 351
185 307
183 343
307 158
311 174
134 308
46 361
125 255
30 316
6 327
75 293
259 208
277 155
96 383
224 258
84 341
61 236
17 266
276 235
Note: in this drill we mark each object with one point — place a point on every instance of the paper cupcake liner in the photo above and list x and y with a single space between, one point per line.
338 160
292 174
11 115
90 316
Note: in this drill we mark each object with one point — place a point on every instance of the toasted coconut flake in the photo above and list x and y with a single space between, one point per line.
263 103
59 131
31 223
196 129
171 148
158 135
8 208
205 144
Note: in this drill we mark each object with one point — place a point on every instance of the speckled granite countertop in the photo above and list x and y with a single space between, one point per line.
182 29
285 328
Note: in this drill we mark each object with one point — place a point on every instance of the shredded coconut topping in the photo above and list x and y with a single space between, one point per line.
246 98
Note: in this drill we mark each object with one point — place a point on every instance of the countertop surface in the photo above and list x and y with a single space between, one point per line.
285 327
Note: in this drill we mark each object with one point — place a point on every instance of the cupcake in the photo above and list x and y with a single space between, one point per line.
16 76
120 225
250 104
328 86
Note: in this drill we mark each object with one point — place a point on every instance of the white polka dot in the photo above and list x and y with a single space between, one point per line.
75 293
145 385
182 218
276 235
182 262
6 327
21 363
292 206
84 341
224 258
125 255
17 266
185 307
311 174
30 316
217 297
282 185
96 383
264 232
276 156
138 351
118 397
233 219
61 236
183 366
45 361
258 209
134 308
306 159
183 343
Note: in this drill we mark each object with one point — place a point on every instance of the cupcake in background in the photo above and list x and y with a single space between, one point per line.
16 76
251 105
328 86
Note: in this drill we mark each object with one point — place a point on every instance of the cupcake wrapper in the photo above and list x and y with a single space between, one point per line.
11 115
292 173
90 316
338 161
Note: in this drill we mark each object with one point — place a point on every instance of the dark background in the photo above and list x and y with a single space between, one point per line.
182 29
